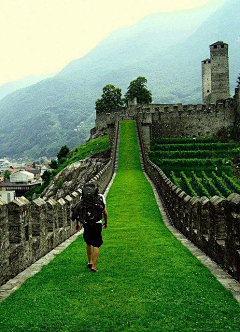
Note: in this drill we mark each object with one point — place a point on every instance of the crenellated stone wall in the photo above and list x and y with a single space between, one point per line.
213 225
177 120
187 120
29 230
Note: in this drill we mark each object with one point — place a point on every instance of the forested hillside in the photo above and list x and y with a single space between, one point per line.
165 48
6 89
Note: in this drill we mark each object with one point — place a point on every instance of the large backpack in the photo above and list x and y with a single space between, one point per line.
90 207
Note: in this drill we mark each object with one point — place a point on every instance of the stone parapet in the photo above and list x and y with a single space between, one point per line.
29 230
213 225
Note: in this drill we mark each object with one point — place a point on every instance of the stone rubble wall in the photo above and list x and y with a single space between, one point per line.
212 225
75 175
29 230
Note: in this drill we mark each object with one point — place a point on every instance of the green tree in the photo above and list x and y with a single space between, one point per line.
63 152
137 89
46 177
54 164
7 174
111 99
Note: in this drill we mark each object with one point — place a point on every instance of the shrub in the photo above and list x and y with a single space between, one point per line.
60 184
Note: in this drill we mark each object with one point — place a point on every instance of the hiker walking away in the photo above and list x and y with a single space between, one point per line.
89 212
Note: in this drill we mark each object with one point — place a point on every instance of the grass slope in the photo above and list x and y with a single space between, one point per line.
147 281
89 148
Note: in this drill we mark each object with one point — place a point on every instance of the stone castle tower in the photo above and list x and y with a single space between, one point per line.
206 80
215 74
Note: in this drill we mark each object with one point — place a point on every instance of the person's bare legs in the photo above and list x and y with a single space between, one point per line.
89 254
95 257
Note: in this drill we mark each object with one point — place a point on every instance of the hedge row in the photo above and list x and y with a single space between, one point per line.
200 189
209 187
175 180
188 162
212 189
193 147
221 185
230 183
184 140
188 187
194 154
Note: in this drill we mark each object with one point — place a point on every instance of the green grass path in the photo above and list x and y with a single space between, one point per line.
147 280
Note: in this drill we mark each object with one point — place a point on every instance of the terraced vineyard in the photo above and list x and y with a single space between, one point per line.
201 167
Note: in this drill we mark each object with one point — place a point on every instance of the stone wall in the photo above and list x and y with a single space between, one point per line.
213 225
187 120
29 230
220 88
176 120
206 80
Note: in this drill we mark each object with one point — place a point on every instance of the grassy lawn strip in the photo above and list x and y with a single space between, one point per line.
147 280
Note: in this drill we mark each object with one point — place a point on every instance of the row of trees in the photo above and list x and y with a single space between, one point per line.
111 98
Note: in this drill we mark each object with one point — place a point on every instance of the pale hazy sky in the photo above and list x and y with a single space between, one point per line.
42 36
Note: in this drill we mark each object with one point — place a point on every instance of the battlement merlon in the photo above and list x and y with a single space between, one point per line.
219 44
206 61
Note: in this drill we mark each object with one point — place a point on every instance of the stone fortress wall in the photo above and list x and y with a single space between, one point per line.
29 230
177 120
212 225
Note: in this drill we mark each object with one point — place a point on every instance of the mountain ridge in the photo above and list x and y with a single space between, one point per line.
9 87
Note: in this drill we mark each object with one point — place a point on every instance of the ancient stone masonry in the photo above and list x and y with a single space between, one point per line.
29 230
75 175
206 80
215 74
213 225
168 120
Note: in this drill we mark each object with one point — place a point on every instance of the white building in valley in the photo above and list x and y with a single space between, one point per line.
22 177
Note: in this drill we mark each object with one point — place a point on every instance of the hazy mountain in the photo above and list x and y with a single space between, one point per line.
7 88
166 48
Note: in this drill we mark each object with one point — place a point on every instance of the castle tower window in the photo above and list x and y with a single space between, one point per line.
215 46
222 46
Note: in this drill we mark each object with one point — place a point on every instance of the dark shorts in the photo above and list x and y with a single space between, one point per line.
93 234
